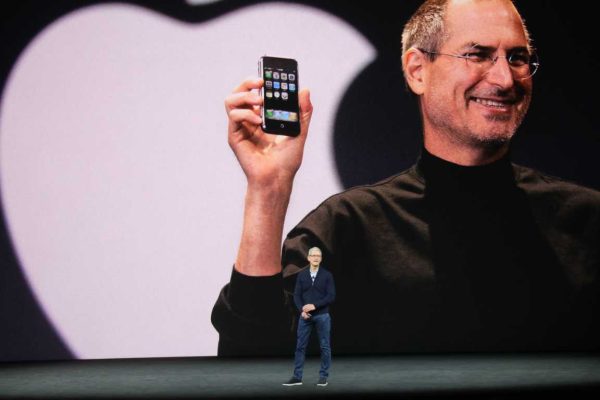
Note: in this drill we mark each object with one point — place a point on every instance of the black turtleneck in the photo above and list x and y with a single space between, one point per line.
496 273
440 257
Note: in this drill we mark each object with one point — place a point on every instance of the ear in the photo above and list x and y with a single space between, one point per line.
413 64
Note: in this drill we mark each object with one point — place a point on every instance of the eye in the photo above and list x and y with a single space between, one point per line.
519 59
476 56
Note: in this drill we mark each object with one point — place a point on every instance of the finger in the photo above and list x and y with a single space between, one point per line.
242 100
306 106
306 110
249 84
239 115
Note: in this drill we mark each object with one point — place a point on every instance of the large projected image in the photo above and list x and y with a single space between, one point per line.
448 181
121 196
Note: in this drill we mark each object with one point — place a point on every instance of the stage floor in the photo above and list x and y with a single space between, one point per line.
488 376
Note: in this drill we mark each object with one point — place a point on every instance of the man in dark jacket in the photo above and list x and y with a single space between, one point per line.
314 292
462 252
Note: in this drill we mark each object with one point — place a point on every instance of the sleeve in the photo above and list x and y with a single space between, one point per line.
252 316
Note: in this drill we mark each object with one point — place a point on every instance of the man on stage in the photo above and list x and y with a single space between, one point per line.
313 294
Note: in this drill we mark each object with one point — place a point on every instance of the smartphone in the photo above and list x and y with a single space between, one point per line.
280 110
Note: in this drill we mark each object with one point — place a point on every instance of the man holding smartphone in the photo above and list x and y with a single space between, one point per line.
464 251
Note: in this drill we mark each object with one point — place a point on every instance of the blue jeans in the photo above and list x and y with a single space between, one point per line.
323 323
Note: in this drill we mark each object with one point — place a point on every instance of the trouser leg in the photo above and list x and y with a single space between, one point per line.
323 323
303 334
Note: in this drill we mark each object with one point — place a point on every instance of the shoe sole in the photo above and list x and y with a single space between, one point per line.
291 384
322 384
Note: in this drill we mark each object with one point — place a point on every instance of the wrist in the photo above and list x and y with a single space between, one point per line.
277 186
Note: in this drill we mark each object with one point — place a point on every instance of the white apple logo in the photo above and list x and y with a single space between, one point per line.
122 198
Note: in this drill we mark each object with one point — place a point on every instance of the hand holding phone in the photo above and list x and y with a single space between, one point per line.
280 111
266 159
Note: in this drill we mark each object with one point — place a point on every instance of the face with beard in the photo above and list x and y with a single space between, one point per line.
463 103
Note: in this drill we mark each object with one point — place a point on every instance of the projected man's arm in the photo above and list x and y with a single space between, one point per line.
270 163
251 313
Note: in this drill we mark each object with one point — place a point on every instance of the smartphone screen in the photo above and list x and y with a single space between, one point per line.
280 111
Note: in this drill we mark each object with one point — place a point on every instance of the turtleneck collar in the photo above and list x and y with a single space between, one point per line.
435 170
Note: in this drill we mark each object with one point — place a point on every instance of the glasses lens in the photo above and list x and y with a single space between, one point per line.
524 65
534 64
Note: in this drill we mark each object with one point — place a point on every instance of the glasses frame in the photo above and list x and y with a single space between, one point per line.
533 60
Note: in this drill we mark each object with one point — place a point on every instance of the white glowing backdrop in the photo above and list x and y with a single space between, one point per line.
122 198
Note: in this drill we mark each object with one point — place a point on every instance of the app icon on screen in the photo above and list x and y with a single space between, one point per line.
292 87
276 85
268 74
284 95
269 94
275 75
284 85
284 76
269 84
292 77
276 94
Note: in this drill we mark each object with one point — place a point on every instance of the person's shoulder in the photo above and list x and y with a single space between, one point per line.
403 185
538 184
400 190
299 274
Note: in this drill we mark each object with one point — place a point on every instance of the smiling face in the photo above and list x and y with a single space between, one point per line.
461 103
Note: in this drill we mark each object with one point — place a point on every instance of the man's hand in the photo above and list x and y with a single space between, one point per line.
305 315
270 163
266 159
308 307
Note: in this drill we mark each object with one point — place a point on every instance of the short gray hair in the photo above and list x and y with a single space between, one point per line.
426 29
314 248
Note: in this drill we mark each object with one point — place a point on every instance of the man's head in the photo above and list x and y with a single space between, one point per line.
314 257
471 103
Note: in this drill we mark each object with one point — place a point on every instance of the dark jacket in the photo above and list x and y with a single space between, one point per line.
439 258
321 292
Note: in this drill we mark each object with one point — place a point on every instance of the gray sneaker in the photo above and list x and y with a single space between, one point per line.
293 382
322 382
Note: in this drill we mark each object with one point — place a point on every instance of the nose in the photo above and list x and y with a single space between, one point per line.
500 73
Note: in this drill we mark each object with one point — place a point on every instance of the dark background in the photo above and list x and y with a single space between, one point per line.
377 129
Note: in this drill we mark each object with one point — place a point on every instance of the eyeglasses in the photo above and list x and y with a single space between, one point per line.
522 63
